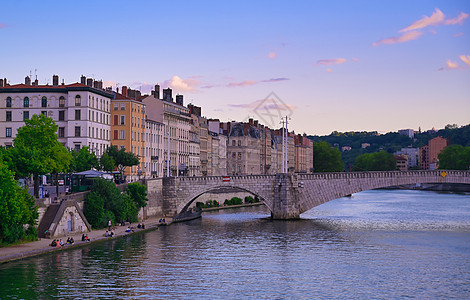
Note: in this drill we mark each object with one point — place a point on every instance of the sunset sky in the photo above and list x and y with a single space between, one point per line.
329 65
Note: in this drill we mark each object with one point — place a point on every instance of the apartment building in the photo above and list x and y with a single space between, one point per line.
430 152
81 111
129 131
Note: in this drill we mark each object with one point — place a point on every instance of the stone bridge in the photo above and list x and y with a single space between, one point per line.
289 195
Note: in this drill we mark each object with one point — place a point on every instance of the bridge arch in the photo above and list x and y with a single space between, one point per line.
190 199
190 188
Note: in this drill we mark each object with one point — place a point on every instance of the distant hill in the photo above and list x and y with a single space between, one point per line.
390 142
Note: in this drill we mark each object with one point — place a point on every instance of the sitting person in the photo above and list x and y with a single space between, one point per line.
71 241
68 241
61 243
83 237
143 226
139 226
54 243
87 238
128 229
106 234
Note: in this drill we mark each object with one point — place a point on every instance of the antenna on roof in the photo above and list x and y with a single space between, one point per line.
36 73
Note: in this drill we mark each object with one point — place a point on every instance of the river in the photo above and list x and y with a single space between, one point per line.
379 244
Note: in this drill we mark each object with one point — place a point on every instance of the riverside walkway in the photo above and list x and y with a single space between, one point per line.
12 253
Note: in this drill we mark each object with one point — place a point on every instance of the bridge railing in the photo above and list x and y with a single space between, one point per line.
385 174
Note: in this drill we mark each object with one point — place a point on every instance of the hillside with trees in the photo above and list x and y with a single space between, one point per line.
389 142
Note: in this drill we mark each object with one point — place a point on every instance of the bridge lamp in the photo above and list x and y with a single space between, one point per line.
301 184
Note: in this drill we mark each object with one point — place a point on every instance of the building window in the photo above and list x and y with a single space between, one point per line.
115 134
61 132
8 116
78 101
26 115
116 119
116 106
77 132
44 102
234 154
77 114
61 115
239 155
44 113
239 142
8 101
61 101
26 102
123 118
77 147
122 135
234 143
123 106
8 132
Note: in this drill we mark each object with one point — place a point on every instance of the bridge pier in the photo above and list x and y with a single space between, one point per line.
286 194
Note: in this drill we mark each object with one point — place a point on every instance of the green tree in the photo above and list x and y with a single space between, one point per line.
122 158
326 158
83 160
138 193
378 161
37 150
107 163
17 208
455 157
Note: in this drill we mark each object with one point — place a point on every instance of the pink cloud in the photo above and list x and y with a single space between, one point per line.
409 36
436 18
459 20
275 79
459 34
243 83
329 62
412 32
272 55
450 65
3 25
329 70
182 85
465 59
355 59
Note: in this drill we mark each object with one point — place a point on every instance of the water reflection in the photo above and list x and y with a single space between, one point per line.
376 244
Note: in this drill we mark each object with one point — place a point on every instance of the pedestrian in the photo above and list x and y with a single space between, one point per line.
109 225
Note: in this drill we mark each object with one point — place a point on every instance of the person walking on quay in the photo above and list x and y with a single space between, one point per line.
109 225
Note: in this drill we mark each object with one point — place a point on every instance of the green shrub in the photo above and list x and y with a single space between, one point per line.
237 201
249 199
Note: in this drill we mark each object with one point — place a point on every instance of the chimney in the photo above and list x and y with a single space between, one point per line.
156 94
36 82
250 121
179 99
83 80
96 84
55 80
89 82
1 82
27 80
256 123
5 82
63 82
124 90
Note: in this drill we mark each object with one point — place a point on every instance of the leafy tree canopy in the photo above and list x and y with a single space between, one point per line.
17 207
122 158
378 161
326 158
37 150
107 162
455 157
83 160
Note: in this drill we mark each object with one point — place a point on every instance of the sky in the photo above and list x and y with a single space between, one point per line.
326 65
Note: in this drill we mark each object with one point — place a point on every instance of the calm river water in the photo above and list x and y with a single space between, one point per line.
374 245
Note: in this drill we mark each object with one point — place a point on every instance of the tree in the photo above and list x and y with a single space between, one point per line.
37 150
107 163
378 161
106 202
122 158
17 208
455 157
326 158
83 160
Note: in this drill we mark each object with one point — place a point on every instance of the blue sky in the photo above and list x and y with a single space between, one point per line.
332 65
